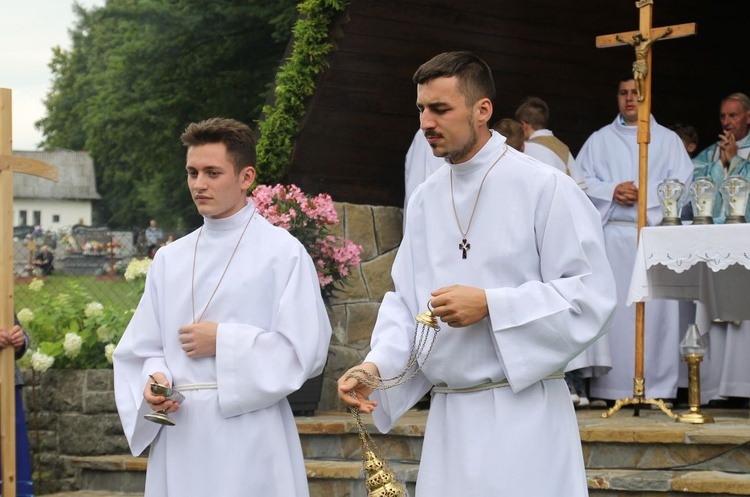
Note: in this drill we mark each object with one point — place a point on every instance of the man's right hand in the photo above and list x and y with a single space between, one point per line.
349 383
159 402
626 194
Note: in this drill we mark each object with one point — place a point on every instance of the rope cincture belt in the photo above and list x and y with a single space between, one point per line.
559 375
196 386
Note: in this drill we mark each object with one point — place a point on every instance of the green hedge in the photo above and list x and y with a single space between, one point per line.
295 83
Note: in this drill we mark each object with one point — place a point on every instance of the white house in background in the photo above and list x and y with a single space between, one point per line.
40 202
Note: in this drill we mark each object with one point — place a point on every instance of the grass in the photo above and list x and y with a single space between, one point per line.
114 292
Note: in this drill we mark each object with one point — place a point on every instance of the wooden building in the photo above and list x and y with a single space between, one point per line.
362 117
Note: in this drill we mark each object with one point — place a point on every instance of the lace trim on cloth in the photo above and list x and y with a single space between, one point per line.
682 247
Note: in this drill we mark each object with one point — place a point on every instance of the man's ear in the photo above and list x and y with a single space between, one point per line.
248 177
483 111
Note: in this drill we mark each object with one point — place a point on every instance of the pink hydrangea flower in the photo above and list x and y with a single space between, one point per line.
309 219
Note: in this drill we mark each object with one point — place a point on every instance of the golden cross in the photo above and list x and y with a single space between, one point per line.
9 164
642 40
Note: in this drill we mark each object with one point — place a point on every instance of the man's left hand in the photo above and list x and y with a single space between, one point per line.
199 339
459 306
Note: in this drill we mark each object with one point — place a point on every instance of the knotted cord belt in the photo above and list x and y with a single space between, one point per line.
488 386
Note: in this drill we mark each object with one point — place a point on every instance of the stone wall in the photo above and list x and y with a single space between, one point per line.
72 413
69 413
353 311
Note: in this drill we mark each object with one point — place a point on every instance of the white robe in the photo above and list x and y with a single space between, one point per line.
537 250
419 164
239 439
608 158
545 154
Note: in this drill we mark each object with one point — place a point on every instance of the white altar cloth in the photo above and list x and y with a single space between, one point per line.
706 263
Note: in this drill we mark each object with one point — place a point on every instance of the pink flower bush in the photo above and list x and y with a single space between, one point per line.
308 219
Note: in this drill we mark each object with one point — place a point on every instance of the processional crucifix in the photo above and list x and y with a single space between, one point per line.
9 164
642 41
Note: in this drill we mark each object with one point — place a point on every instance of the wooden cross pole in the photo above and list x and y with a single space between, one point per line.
642 41
9 164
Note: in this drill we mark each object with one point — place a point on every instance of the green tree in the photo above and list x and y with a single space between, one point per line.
138 72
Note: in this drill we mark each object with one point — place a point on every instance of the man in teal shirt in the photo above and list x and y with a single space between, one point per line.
728 156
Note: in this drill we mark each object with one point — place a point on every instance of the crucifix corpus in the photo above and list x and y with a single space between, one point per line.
9 164
642 41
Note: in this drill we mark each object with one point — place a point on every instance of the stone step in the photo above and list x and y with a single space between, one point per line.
329 477
660 483
626 456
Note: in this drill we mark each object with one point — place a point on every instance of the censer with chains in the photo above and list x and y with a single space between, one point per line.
380 479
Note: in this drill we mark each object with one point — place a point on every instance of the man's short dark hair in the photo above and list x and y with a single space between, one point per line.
533 110
685 132
235 135
625 76
474 75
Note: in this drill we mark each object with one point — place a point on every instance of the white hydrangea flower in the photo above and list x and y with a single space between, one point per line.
25 316
137 268
105 334
36 284
41 362
109 349
93 309
72 344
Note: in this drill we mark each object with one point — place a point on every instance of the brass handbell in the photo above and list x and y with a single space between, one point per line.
380 480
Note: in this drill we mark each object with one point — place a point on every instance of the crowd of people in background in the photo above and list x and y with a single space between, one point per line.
606 168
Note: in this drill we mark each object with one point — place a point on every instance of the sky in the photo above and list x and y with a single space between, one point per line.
28 31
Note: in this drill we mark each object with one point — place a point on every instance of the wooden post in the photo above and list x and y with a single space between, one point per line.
9 164
642 41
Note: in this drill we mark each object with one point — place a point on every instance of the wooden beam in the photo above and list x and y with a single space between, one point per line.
678 31
7 355
29 166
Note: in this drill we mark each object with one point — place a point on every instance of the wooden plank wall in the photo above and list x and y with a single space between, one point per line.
362 118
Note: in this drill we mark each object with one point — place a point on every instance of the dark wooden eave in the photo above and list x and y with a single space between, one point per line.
362 117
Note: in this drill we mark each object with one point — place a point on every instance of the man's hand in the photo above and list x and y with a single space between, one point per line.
13 339
728 146
459 306
159 402
199 339
349 383
626 194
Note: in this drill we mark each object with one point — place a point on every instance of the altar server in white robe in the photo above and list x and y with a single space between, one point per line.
725 372
608 167
232 316
509 253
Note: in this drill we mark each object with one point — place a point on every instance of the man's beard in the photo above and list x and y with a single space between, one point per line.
453 156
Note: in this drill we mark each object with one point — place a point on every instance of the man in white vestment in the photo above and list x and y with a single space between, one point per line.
543 145
725 372
608 167
231 317
509 254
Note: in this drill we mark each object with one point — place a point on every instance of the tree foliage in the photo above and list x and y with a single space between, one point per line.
138 72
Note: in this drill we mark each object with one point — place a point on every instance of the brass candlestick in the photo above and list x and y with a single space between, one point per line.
693 348
694 415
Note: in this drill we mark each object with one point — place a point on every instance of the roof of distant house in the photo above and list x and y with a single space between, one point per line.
77 179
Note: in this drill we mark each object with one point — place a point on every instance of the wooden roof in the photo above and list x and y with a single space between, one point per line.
362 116
77 180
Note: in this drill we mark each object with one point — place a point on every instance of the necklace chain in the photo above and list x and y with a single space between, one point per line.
464 245
195 256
